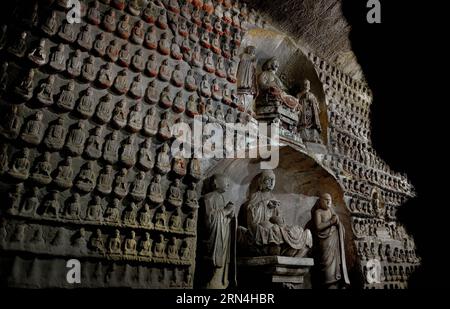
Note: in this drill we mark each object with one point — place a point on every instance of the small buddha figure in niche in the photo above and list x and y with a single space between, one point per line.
175 197
186 48
135 118
93 13
14 199
105 180
145 217
130 244
103 112
216 91
94 144
112 213
76 139
120 114
25 88
220 68
145 248
205 87
136 91
121 183
150 39
115 243
218 27
124 28
237 38
33 129
121 82
67 32
226 49
52 205
164 129
130 213
111 150
155 194
151 67
165 71
195 169
145 161
161 218
196 17
164 44
226 99
193 34
100 44
112 51
64 174
197 58
191 196
96 242
88 70
74 64
191 106
45 93
84 39
12 123
215 45
175 51
137 33
185 10
183 29
104 77
172 248
151 122
159 250
190 84
21 165
128 153
219 115
189 224
165 100
232 72
185 251
86 179
137 62
205 40
42 170
50 27
179 166
86 106
31 204
38 55
161 21
175 220
19 47
177 76
178 103
139 187
94 210
109 21
124 56
57 59
80 243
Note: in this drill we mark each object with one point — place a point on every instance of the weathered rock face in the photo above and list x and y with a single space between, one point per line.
85 161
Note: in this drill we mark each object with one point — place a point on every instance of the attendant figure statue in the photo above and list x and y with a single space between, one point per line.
329 244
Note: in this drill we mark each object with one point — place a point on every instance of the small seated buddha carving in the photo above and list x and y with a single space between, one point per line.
138 62
73 208
94 144
172 248
64 174
164 128
86 179
130 213
124 28
128 153
50 27
164 44
124 56
177 76
112 51
52 205
93 13
191 106
57 59
67 32
94 210
191 197
159 251
45 93
38 56
135 118
105 180
137 33
111 150
33 129
76 139
74 64
121 183
109 21
136 91
151 67
112 213
100 44
88 71
178 103
131 244
42 170
25 88
115 244
175 51
84 39
120 114
103 112
139 187
175 196
121 82
145 247
165 99
145 161
86 105
151 39
155 191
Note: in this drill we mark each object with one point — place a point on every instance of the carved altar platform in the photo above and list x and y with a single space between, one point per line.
275 271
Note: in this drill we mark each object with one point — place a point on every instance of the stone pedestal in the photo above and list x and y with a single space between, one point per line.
275 271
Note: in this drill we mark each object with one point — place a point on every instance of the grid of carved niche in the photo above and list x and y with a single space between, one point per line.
74 116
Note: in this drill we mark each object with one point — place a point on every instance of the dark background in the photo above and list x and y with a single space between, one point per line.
397 58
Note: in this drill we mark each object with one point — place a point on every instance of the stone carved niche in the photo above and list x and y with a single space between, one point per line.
294 68
300 180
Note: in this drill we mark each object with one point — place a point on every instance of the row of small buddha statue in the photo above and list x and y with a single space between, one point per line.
24 237
91 178
385 253
95 212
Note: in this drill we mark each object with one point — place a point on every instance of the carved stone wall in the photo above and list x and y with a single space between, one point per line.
85 166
